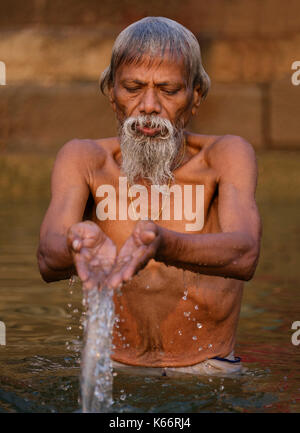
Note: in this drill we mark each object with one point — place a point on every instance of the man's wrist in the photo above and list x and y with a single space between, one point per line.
164 244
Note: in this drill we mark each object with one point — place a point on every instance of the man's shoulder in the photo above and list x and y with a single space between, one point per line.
229 149
87 151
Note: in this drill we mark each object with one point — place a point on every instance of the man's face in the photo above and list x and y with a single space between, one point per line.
159 88
153 103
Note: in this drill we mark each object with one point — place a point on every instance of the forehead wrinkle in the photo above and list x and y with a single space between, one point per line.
141 55
149 62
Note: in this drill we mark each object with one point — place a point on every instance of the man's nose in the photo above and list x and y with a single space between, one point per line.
150 103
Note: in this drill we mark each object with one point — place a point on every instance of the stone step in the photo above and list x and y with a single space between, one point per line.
37 118
221 17
48 56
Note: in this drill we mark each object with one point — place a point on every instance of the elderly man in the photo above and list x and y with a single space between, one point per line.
121 210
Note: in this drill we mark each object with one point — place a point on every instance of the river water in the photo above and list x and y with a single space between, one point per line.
40 363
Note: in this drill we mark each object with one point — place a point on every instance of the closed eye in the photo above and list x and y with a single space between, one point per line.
170 91
132 89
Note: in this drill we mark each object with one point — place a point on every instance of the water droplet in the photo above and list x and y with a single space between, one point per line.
199 325
123 397
186 313
184 298
194 337
69 328
196 307
221 388
180 332
200 348
209 346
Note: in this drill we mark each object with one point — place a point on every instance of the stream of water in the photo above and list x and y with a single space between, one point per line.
96 364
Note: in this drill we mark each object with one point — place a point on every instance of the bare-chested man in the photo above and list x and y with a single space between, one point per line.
121 209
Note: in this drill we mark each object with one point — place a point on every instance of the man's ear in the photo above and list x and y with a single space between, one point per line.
111 97
196 98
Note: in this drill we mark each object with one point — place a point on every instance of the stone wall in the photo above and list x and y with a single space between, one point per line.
55 50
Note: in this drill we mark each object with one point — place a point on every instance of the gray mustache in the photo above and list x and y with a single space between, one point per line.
132 124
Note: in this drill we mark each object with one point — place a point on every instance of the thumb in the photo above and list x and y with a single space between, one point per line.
147 236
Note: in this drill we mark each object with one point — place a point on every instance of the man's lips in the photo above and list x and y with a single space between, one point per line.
151 132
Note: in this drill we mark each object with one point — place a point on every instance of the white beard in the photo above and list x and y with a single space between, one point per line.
150 158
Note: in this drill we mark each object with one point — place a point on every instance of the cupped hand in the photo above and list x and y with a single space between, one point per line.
93 252
136 252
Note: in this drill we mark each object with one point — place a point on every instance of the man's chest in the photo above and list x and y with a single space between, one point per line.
185 204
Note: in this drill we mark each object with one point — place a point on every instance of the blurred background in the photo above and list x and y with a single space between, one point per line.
56 50
54 53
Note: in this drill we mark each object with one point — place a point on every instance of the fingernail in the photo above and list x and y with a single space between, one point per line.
76 244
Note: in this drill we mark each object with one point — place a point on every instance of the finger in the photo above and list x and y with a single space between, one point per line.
147 236
86 254
138 262
123 272
77 244
107 266
82 268
114 280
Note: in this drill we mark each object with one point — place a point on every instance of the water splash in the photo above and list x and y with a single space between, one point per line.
96 363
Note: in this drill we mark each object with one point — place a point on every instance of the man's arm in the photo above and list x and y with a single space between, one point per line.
69 194
234 251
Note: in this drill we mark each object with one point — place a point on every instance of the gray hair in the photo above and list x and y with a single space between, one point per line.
153 36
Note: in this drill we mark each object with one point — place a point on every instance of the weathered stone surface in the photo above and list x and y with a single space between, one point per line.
218 17
50 56
253 59
232 109
47 57
284 114
42 119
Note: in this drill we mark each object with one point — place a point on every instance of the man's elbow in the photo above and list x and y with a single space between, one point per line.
249 263
46 272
